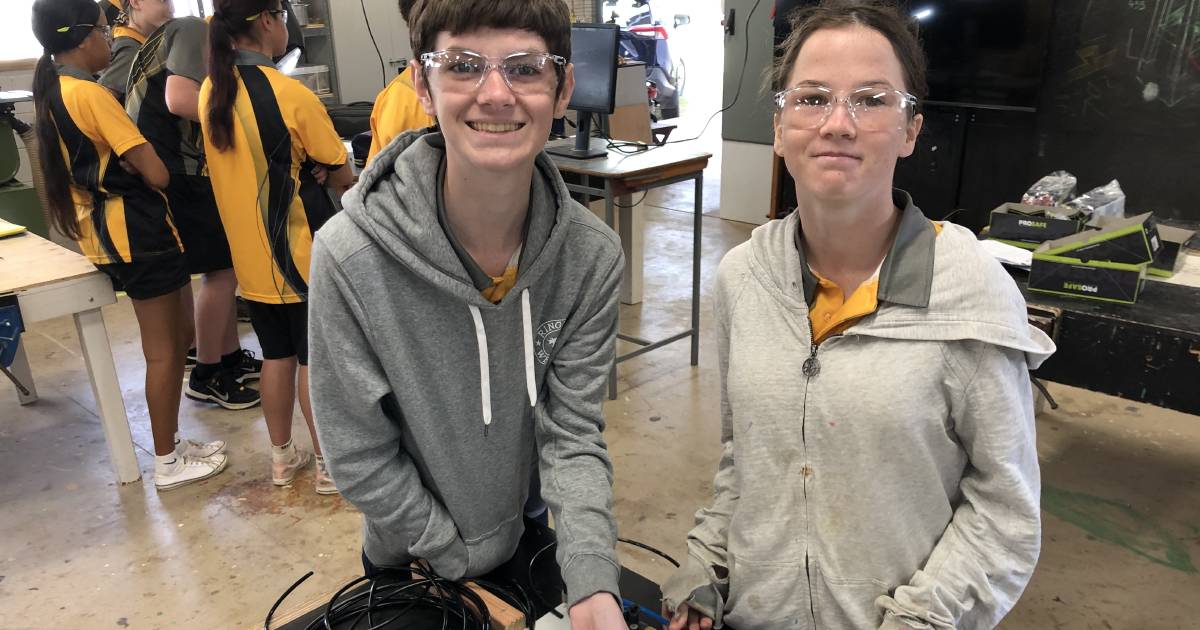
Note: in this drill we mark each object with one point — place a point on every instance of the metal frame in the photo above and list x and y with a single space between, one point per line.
608 194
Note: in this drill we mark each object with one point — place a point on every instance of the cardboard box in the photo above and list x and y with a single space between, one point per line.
1096 280
1170 257
1028 226
1132 241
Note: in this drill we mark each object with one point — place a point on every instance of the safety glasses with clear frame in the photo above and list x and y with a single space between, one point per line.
872 108
104 30
525 73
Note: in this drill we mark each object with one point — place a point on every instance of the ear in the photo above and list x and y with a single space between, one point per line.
421 87
564 95
911 132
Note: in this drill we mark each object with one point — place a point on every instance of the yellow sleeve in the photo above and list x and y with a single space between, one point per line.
315 129
396 111
377 130
100 117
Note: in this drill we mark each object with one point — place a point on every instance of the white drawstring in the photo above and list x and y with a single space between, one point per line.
485 385
530 383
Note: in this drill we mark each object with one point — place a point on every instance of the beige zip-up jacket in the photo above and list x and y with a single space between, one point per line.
891 483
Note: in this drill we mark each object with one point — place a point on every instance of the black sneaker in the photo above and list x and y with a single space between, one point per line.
247 367
223 389
189 361
243 310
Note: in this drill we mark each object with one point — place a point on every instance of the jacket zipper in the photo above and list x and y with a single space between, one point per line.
811 368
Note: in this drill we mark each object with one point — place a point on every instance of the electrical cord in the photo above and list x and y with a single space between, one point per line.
425 590
390 601
652 550
382 66
737 93
634 204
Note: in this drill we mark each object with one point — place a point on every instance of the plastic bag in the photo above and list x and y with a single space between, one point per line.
1051 190
1105 202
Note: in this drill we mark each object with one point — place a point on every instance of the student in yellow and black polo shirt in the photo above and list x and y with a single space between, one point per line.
132 21
397 108
270 146
163 99
92 156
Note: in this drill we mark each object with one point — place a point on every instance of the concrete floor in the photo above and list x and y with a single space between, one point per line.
1122 486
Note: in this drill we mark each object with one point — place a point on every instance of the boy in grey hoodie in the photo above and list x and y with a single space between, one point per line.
464 314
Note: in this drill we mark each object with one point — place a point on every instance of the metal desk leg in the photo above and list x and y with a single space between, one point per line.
20 370
609 219
612 378
107 390
697 222
632 230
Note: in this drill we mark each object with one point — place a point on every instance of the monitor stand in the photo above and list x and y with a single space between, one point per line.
585 148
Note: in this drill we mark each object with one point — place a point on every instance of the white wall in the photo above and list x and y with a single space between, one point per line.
357 63
746 181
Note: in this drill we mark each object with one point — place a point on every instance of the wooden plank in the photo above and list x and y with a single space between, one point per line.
28 261
504 616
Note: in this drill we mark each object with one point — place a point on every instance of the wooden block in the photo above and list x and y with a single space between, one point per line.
504 616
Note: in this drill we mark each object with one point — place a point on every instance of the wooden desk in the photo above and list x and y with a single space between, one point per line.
50 281
620 176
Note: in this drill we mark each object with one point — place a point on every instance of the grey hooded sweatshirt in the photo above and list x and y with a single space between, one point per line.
887 478
434 406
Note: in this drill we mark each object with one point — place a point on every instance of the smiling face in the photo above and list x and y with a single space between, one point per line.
838 161
489 128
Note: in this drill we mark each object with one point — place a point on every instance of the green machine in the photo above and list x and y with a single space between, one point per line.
19 202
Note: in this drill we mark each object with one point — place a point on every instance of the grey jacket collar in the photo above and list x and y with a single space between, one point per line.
252 58
76 72
907 272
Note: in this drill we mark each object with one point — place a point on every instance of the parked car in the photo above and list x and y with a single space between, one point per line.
645 38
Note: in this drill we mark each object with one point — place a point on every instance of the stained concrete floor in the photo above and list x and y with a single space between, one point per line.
1122 486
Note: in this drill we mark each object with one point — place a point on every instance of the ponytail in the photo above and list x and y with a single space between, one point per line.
56 185
229 21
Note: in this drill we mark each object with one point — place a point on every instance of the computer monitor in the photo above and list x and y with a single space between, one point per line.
594 55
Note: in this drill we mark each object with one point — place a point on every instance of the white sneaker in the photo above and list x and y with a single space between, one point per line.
187 470
283 472
199 450
322 482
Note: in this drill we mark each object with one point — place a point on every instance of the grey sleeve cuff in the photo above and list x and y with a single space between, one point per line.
587 574
698 587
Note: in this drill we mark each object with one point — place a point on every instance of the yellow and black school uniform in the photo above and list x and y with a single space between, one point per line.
126 43
126 227
178 48
112 9
397 109
270 202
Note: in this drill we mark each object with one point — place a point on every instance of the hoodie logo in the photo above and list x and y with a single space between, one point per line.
544 340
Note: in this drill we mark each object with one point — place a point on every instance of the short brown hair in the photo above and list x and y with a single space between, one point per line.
882 17
406 7
549 19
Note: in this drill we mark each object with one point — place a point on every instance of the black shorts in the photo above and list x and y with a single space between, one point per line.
147 279
194 208
282 329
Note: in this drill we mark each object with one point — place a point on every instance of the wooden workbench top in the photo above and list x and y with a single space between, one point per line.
28 260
